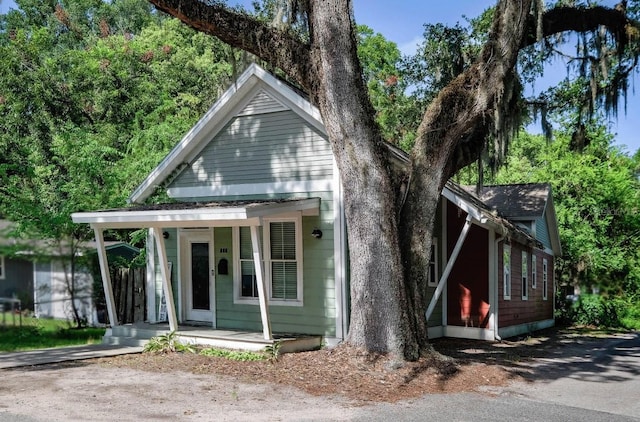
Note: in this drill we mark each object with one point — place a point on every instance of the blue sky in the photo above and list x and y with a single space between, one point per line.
402 22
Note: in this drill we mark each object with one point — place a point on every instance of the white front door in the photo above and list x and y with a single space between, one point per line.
197 273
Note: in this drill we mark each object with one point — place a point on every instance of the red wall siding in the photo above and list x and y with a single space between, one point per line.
468 285
518 311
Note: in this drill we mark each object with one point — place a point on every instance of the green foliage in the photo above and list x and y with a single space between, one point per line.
596 310
238 355
273 351
630 312
396 113
597 200
93 95
167 343
41 333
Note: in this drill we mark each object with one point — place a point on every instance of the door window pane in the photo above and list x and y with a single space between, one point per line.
200 275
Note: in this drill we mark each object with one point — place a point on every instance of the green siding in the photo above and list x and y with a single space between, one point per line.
264 148
542 232
266 144
317 315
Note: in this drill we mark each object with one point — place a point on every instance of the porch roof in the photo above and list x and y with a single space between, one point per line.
196 214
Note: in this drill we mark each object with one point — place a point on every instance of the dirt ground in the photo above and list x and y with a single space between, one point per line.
186 386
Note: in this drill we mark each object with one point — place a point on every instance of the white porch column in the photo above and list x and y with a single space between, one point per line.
447 270
262 289
164 272
106 277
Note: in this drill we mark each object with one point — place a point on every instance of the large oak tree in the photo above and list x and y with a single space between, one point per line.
390 210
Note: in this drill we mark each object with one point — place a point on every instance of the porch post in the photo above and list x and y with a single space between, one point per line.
447 270
262 290
106 277
164 272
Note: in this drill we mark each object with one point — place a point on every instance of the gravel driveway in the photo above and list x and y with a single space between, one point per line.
595 381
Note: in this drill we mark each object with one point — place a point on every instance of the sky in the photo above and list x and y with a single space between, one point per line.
402 22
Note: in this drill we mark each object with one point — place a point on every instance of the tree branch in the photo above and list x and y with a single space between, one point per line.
555 21
245 32
563 19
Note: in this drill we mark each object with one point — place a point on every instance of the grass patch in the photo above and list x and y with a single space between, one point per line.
43 333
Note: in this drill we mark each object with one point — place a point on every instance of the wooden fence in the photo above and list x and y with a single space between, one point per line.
129 294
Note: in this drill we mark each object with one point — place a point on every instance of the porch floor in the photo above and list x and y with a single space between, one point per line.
139 333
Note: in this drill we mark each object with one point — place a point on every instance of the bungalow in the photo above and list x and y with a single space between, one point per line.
255 238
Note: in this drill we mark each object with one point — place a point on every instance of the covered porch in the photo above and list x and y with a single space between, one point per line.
159 218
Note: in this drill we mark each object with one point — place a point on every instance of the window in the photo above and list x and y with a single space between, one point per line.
281 241
283 260
247 271
534 271
506 272
432 276
525 274
545 279
1 267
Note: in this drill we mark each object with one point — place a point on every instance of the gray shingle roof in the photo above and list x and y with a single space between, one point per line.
517 201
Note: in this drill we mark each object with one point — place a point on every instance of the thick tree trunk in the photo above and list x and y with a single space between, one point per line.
378 300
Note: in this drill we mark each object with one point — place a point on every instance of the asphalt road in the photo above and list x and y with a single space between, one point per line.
602 376
591 381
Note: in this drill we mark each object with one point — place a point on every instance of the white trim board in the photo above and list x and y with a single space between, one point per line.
469 332
515 330
198 216
303 186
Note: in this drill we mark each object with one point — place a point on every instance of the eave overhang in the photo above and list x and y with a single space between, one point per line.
196 214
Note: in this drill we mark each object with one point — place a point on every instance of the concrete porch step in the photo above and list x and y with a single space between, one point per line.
124 341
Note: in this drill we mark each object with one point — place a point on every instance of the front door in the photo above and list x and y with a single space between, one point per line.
198 275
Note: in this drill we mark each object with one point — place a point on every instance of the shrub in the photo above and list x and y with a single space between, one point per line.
167 343
596 310
630 316
238 355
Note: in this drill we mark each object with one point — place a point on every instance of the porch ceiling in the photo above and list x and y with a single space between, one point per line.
196 214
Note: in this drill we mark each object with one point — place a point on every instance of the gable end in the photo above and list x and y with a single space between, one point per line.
262 103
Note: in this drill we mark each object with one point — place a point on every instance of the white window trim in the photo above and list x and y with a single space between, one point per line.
545 279
524 264
534 271
2 268
266 254
299 264
506 273
237 271
434 253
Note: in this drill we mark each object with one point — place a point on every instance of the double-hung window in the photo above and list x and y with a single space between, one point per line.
248 287
506 272
525 276
281 243
534 271
283 260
